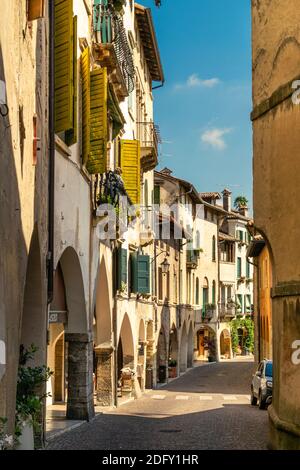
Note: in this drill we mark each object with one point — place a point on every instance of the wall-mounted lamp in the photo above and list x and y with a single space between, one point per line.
165 266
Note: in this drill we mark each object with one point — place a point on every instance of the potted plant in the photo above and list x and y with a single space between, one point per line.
29 400
172 368
211 350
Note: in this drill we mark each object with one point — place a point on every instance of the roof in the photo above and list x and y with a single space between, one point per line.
191 190
213 195
255 248
149 41
227 237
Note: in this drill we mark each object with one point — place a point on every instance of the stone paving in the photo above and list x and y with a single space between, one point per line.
207 408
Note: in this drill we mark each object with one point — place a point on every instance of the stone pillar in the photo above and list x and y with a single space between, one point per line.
104 375
80 403
150 367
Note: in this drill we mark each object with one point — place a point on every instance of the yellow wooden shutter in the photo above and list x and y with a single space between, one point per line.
63 65
85 73
130 165
71 135
97 160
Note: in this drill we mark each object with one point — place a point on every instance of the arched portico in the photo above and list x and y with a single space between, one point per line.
183 349
190 347
125 354
103 340
173 351
73 358
161 356
141 356
225 344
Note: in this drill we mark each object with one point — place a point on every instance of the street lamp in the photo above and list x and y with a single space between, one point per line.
165 266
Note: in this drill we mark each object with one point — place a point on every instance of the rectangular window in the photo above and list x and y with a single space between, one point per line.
241 235
160 284
248 269
168 287
157 195
122 268
240 303
239 267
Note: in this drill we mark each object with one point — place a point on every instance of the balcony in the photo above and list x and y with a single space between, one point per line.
208 312
149 136
111 49
192 258
227 311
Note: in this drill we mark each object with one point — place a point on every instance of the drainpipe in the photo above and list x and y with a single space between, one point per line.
50 255
115 326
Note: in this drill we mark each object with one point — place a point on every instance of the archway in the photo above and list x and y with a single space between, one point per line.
173 353
125 356
225 344
183 349
206 344
149 355
103 340
162 359
141 356
68 319
34 317
190 347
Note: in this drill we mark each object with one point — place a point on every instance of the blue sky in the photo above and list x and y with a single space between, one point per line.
203 109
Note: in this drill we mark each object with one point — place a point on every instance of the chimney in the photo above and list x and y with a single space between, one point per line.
227 200
166 171
243 210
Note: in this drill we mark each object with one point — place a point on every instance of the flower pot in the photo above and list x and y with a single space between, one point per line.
26 440
172 372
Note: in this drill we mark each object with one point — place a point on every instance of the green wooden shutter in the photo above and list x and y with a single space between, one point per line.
63 65
71 135
97 160
122 267
157 195
86 111
130 165
239 267
143 277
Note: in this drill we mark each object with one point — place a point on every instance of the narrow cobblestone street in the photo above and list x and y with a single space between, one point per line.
207 408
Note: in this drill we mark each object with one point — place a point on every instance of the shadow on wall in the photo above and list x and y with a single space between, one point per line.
12 261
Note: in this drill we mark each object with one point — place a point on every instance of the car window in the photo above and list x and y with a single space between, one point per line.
269 369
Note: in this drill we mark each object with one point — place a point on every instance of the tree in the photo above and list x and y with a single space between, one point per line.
240 201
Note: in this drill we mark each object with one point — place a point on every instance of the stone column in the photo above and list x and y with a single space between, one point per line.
104 375
80 403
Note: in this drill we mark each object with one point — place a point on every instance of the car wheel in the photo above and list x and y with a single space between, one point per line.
262 403
253 399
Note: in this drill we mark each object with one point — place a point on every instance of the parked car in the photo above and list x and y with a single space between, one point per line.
262 384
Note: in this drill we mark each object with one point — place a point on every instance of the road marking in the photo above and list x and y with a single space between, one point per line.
158 397
229 397
205 397
182 397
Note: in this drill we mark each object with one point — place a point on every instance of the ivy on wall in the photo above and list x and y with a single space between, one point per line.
246 324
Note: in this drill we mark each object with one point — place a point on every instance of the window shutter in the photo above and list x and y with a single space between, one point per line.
130 165
157 195
85 73
71 135
143 274
97 160
122 267
63 65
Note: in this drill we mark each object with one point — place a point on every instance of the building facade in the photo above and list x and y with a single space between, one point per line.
275 119
24 193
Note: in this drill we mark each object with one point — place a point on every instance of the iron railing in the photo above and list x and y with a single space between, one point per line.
149 135
109 29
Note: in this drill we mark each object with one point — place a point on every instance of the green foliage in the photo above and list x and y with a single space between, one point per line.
248 325
240 201
30 394
172 363
6 441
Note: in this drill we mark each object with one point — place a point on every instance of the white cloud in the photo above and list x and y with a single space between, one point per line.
194 81
215 138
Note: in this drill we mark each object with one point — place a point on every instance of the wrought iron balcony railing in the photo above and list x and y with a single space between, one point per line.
111 48
149 135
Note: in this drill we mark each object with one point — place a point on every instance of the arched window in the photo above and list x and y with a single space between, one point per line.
214 248
197 299
213 292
